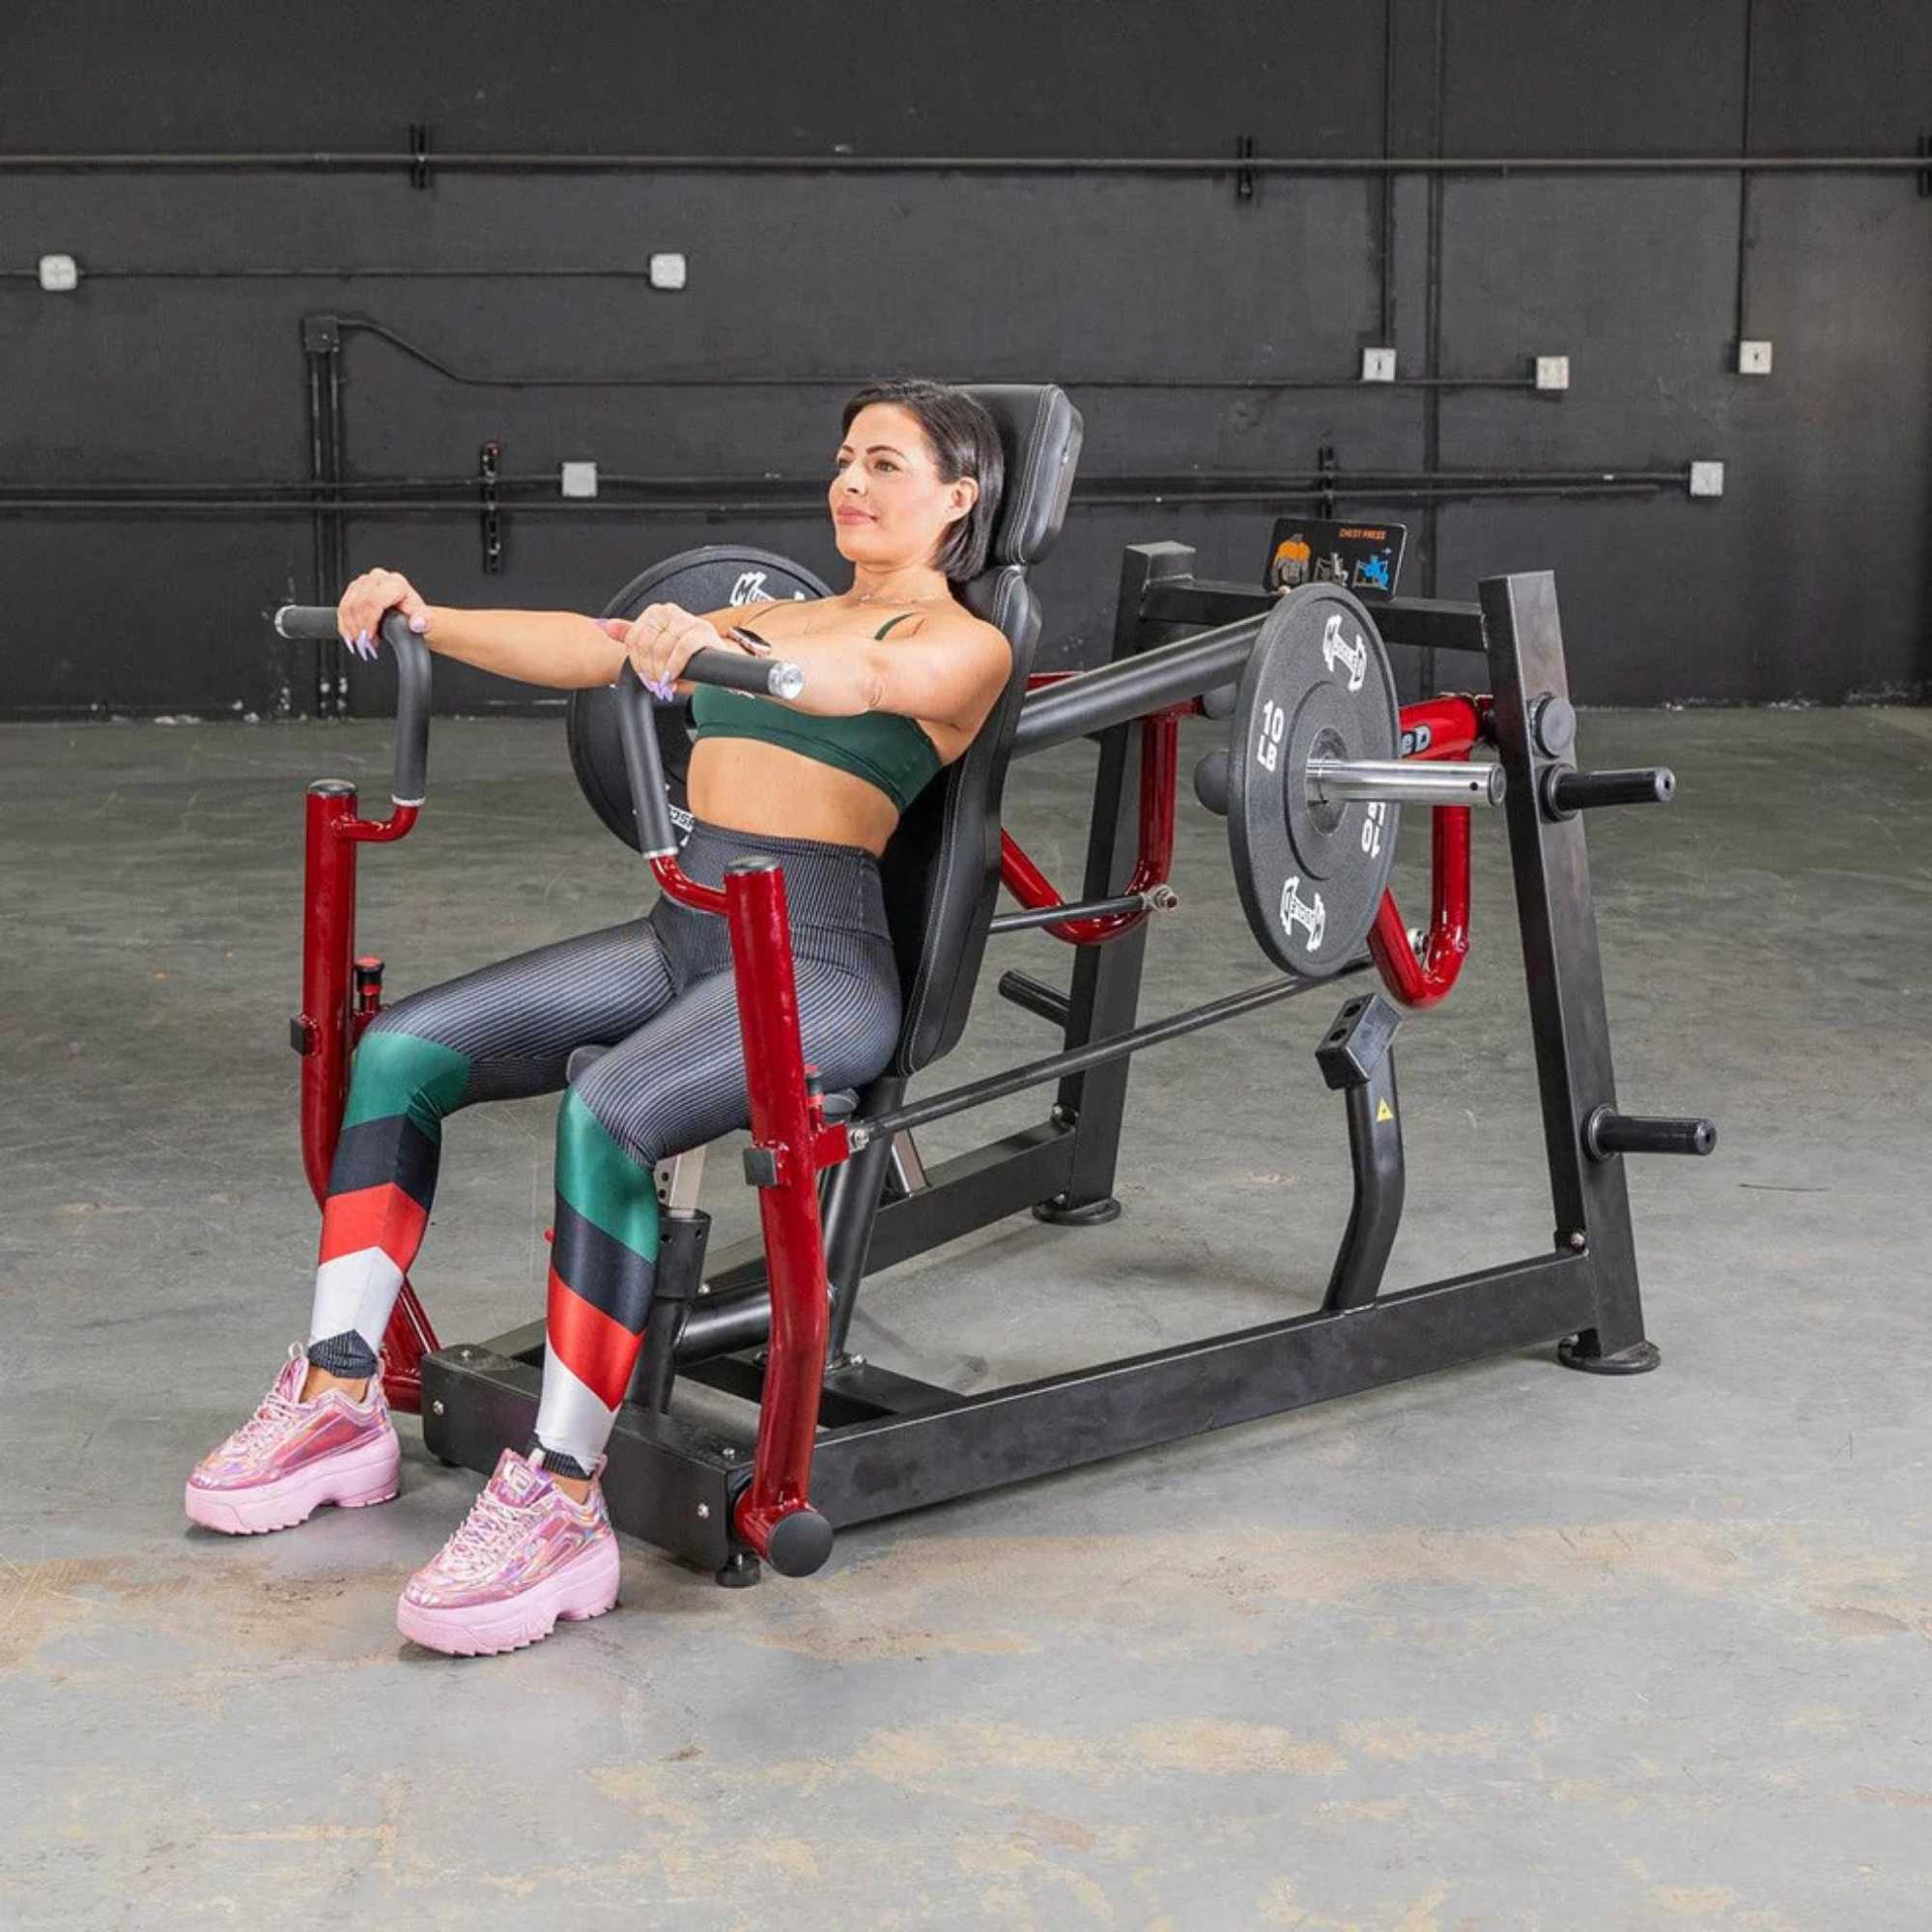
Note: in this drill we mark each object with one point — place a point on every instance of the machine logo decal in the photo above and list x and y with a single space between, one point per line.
1297 911
1334 651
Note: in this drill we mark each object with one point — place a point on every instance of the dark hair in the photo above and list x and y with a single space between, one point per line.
965 441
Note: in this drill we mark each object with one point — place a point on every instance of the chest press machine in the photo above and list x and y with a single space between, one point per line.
1311 782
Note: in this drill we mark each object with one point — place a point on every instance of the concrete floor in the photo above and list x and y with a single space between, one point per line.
1501 1648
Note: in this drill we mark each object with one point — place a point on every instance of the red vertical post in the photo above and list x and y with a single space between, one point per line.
775 1516
325 1033
328 938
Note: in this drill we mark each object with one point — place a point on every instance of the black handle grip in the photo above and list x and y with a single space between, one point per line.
1607 1132
306 623
656 835
1567 792
732 670
411 657
316 623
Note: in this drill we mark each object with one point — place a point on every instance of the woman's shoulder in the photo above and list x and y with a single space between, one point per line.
744 614
972 624
954 619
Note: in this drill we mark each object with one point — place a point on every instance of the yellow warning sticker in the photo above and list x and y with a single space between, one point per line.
1383 1112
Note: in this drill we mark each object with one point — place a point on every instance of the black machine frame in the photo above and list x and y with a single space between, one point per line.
888 1442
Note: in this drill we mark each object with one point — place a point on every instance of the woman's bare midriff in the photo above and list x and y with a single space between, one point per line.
747 785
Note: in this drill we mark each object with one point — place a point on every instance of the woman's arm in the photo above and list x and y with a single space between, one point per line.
946 669
551 647
557 648
949 670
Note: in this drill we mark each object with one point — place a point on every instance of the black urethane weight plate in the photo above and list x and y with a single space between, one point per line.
1310 873
699 580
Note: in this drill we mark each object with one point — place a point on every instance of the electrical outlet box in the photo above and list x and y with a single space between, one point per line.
579 479
60 274
667 272
1553 372
1707 479
1378 365
1753 358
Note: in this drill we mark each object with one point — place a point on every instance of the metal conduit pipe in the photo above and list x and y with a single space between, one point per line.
301 500
1315 165
351 491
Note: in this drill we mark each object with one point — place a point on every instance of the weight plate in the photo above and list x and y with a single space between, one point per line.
1310 875
699 580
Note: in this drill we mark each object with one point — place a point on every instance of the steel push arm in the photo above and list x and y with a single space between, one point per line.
791 1141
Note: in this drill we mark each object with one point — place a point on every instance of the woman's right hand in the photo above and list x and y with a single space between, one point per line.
359 617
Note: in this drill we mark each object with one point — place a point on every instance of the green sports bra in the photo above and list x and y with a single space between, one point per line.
887 752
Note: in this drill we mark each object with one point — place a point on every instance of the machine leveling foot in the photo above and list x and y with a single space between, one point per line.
1088 1214
740 1571
1579 1351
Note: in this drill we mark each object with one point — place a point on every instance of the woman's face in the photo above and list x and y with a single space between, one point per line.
888 507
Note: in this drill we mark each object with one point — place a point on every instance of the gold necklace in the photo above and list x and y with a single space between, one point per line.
864 597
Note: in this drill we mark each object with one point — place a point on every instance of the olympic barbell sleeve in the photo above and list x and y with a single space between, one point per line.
1567 792
1336 780
1607 1132
1403 781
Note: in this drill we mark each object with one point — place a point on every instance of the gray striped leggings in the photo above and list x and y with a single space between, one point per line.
657 991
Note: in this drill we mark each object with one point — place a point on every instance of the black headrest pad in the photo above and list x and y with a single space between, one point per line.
1040 433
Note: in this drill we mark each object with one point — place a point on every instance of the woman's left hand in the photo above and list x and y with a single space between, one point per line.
661 640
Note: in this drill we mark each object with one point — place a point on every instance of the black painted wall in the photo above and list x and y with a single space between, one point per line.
1810 578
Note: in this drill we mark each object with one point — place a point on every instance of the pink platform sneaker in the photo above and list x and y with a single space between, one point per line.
292 1456
524 1556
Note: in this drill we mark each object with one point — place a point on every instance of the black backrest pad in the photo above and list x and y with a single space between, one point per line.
942 869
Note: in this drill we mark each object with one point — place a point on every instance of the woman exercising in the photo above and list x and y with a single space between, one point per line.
899 676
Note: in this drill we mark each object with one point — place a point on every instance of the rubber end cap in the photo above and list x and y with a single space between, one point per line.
1210 781
799 1542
